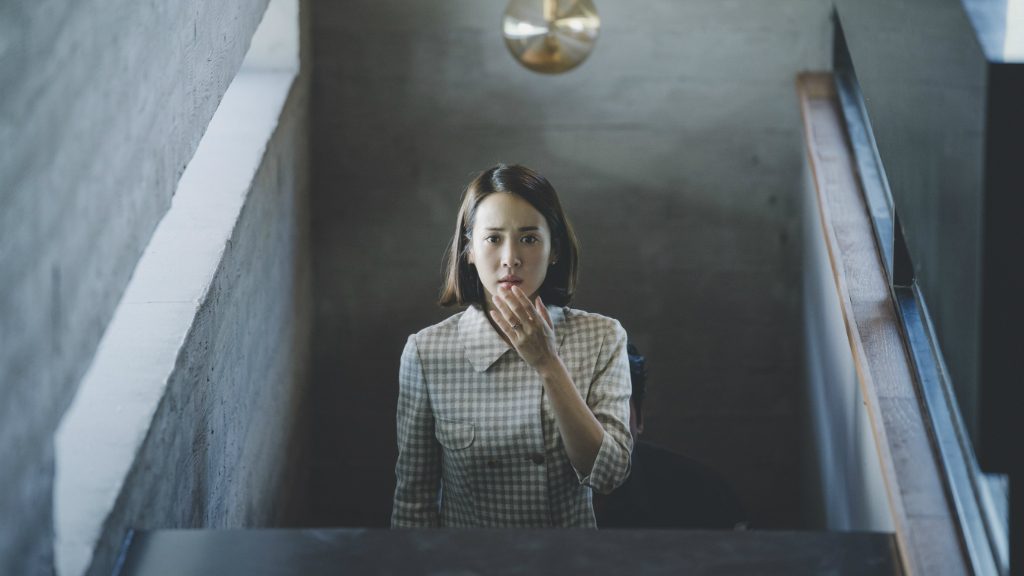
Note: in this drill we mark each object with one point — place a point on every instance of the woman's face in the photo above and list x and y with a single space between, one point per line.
511 245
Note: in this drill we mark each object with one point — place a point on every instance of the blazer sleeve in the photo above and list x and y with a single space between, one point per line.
418 470
608 399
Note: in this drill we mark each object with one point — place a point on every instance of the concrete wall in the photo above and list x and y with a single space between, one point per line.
193 411
227 445
102 105
676 149
843 485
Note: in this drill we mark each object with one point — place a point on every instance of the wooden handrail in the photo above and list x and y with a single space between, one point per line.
927 532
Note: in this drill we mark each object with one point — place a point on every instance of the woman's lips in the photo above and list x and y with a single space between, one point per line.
508 284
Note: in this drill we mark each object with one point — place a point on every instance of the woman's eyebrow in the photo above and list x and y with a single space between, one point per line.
523 229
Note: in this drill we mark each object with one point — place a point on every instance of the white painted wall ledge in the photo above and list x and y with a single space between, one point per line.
108 420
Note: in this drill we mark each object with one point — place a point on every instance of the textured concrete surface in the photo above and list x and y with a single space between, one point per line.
101 106
191 412
676 149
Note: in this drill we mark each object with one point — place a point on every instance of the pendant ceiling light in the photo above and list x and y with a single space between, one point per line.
550 36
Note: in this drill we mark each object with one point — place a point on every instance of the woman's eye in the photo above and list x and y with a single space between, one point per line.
491 239
530 240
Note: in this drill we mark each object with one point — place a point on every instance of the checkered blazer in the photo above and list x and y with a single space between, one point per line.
478 445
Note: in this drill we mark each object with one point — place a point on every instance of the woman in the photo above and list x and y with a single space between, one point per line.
511 411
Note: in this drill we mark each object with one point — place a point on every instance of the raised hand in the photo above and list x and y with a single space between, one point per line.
527 326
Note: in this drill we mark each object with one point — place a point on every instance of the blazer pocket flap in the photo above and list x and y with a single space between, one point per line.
454 434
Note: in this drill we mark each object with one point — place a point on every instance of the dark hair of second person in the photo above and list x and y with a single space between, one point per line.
638 376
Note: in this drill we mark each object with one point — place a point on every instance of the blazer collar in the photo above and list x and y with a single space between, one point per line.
484 345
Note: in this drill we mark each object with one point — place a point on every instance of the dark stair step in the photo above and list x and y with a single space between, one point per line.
312 552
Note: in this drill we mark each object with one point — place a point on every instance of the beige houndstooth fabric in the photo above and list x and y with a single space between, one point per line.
478 445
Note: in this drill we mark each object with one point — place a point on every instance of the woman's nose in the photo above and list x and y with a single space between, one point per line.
509 257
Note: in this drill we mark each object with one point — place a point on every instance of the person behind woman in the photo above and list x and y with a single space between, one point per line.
511 411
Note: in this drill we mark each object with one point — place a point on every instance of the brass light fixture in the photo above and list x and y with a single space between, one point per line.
550 36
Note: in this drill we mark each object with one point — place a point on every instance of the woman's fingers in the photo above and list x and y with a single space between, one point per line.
503 311
521 304
501 322
544 312
512 310
526 324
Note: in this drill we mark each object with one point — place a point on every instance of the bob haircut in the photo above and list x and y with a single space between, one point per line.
462 284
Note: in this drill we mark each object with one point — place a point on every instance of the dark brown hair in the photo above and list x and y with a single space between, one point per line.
462 284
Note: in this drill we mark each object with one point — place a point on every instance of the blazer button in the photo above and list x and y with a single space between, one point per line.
492 463
537 458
